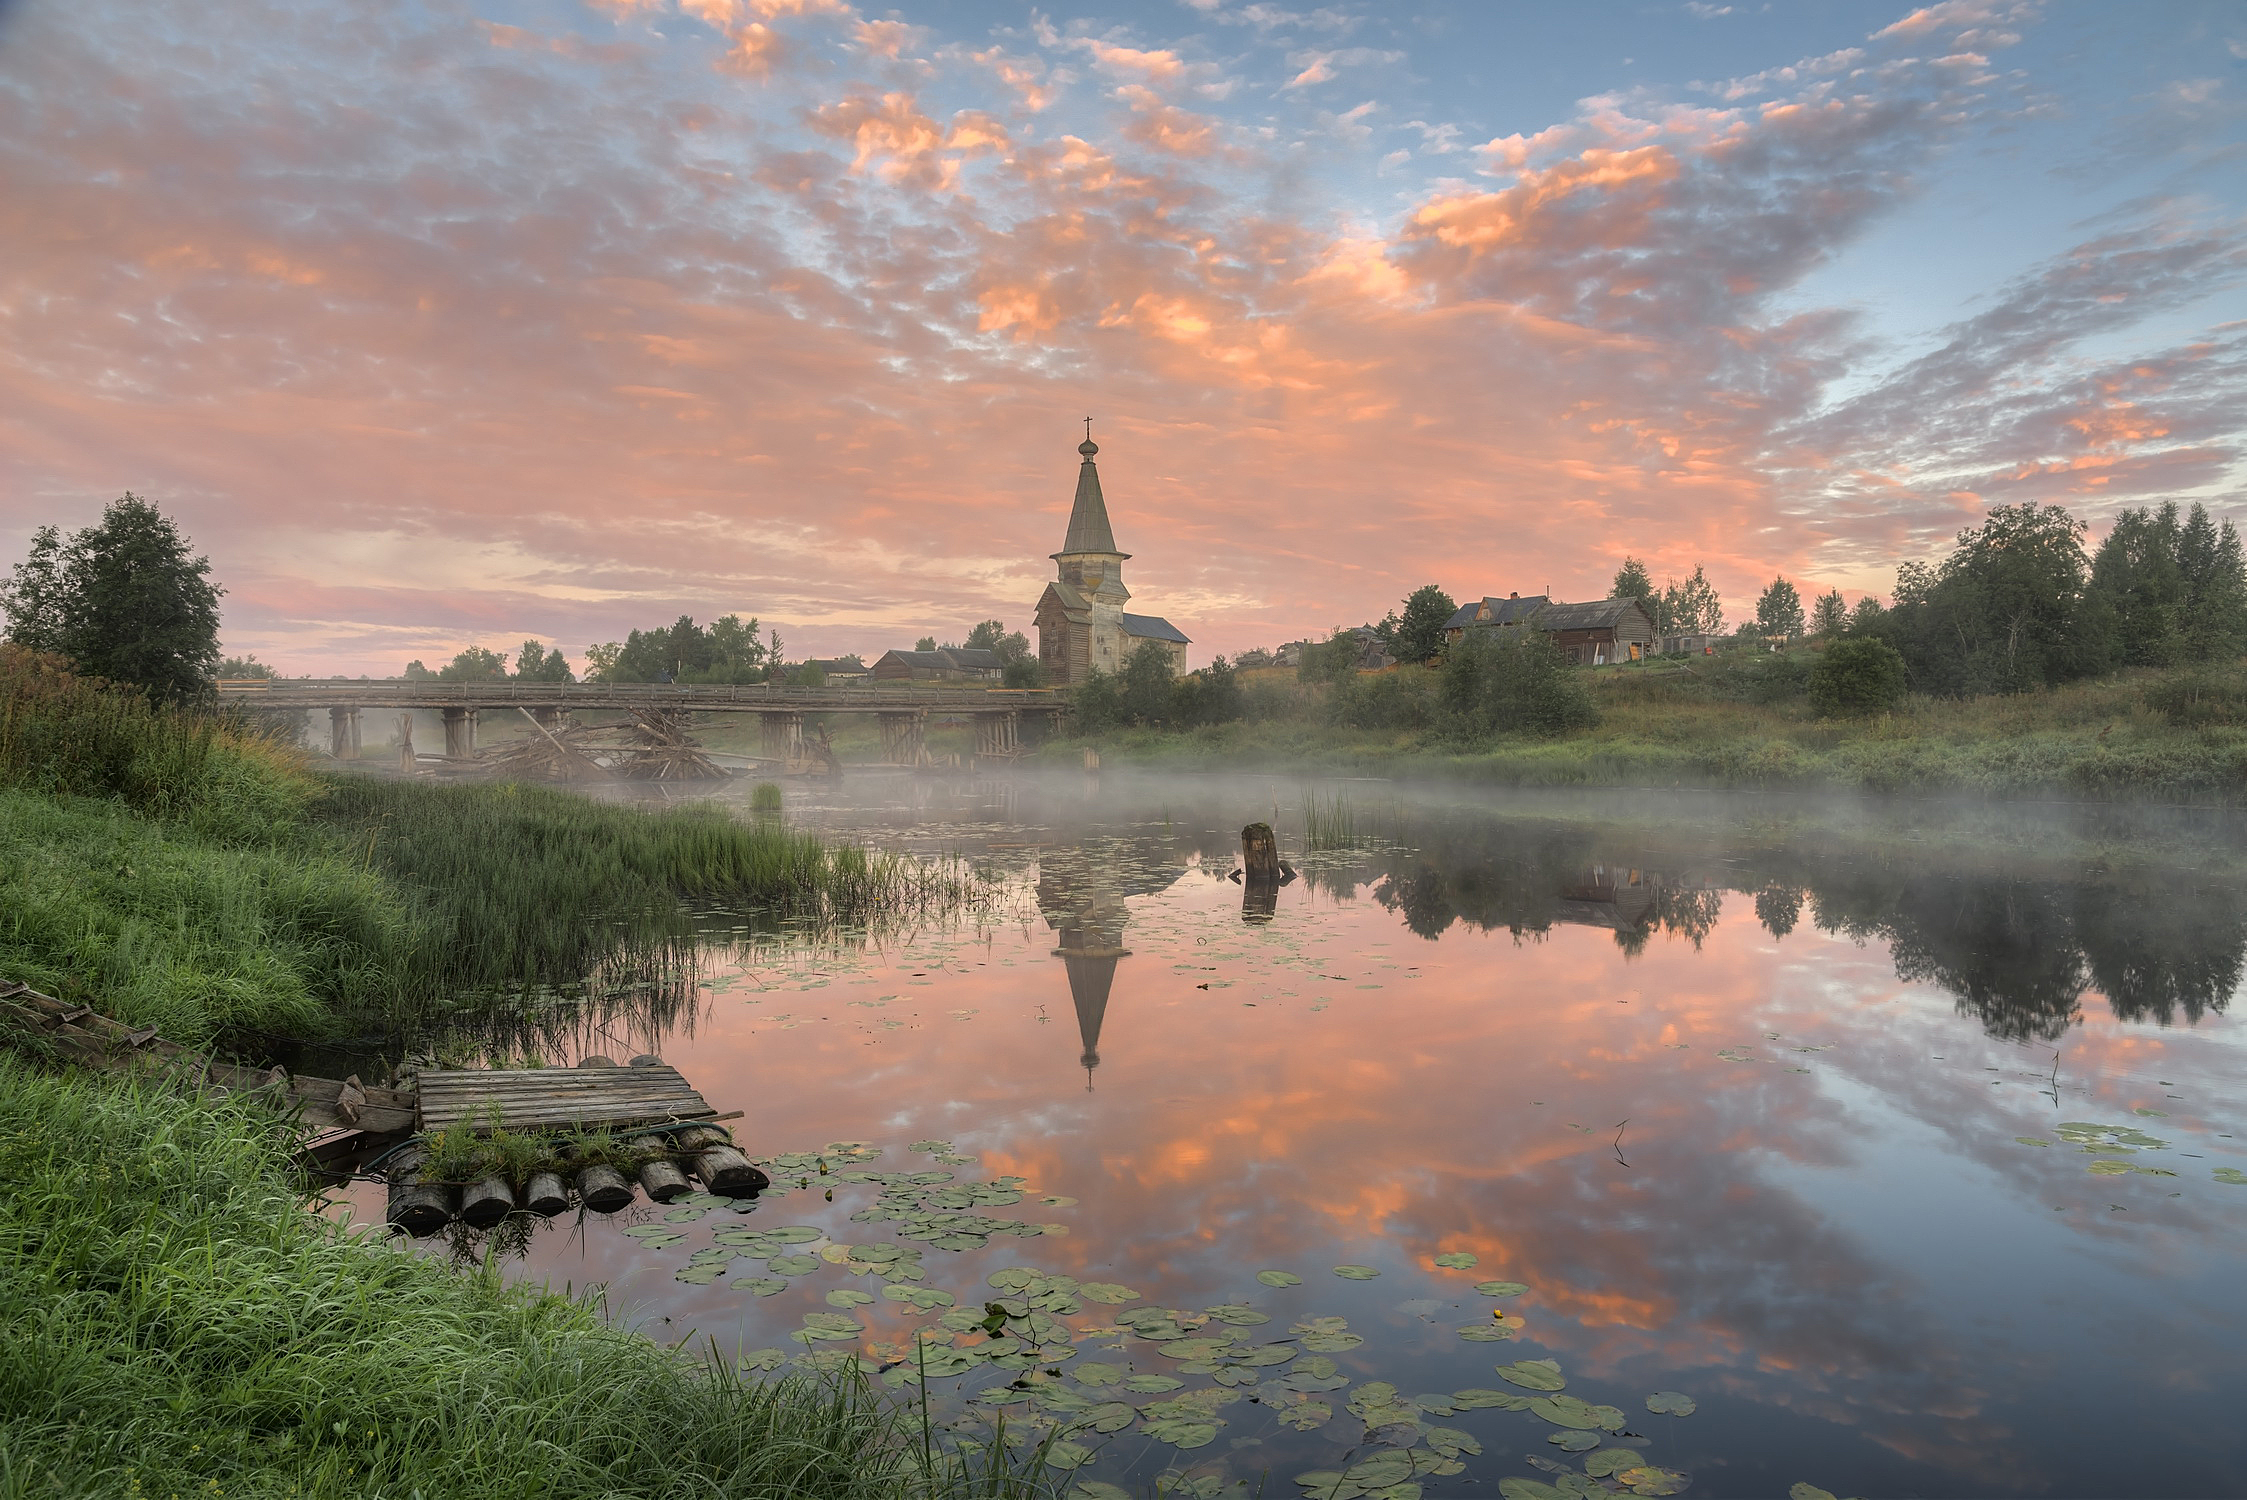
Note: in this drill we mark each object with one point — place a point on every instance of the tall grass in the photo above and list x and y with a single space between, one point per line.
171 1323
1329 822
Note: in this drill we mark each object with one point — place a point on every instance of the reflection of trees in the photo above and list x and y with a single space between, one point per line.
2017 951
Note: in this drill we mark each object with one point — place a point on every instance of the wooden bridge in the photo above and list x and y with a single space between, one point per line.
999 714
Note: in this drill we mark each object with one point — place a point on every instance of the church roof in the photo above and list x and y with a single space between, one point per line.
1153 628
1088 518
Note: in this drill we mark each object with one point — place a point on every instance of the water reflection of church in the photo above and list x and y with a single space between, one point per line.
1081 894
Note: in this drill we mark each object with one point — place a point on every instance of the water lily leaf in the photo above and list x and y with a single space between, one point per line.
1305 1416
1058 1200
1450 1441
1457 1260
2030 1140
2157 1113
1237 1316
763 1359
796 1234
1149 1384
1564 1411
1574 1441
1194 1348
1476 1397
1486 1333
1183 1432
1808 1492
2109 1169
1098 1489
763 1286
1649 1480
701 1275
1356 1273
1534 1375
1514 1488
1612 1461
1331 1343
1671 1404
1263 1356
1092 1372
922 1298
834 1322
1500 1288
1107 1292
793 1265
1279 1278
2231 1175
1328 1484
848 1297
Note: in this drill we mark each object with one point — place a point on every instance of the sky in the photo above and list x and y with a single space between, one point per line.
439 324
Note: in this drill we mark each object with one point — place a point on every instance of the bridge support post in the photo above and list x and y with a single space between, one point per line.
998 736
782 735
549 718
904 736
343 732
354 734
460 733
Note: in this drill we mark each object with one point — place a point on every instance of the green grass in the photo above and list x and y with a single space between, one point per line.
176 1324
2136 736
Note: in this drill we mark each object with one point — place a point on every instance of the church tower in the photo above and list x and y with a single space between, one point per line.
1082 627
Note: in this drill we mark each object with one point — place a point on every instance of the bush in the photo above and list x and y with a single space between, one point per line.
1511 682
1399 699
1857 675
2201 698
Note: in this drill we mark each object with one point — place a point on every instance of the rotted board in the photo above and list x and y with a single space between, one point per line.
553 1098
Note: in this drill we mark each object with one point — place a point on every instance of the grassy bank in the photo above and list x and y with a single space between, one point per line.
1739 722
186 872
173 1324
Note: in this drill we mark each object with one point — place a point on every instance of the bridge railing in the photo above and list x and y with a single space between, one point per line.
341 692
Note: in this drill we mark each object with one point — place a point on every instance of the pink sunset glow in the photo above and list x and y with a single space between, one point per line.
546 320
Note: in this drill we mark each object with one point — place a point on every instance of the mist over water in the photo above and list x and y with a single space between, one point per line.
1786 1107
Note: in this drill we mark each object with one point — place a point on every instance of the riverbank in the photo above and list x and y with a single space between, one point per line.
174 1320
1739 723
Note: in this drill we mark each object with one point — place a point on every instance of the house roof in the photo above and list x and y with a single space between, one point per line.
1492 610
1088 517
948 659
1589 616
1153 628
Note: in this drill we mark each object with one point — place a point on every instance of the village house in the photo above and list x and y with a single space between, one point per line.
944 664
1082 626
1593 634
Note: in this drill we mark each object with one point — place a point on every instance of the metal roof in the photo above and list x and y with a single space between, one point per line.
1154 628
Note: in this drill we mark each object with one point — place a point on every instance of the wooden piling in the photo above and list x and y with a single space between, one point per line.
603 1189
660 1176
722 1168
545 1195
419 1208
1260 854
485 1203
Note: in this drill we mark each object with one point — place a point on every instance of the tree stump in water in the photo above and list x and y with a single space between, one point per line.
545 1195
1260 854
720 1165
485 1203
603 1189
419 1208
660 1176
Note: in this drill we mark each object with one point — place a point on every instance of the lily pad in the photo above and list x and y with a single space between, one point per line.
1331 1343
2231 1175
1279 1278
1450 1441
1800 1491
1609 1461
2030 1140
1534 1375
1107 1292
1485 1333
1099 1489
1305 1415
1356 1273
1148 1385
1457 1260
1516 1488
795 1234
1500 1288
1648 1479
701 1275
763 1359
793 1265
1573 1441
1237 1316
1565 1411
763 1286
1671 1404
1183 1432
1476 1397
1093 1372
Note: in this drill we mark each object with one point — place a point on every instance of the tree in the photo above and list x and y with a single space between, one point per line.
600 661
534 663
1148 679
1632 581
1210 696
416 672
1867 615
2011 609
925 643
475 664
1511 682
1857 675
993 636
1418 636
1024 671
2175 587
243 668
1779 610
1829 616
1690 608
123 599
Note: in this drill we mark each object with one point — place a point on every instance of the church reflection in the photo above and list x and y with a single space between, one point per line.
1081 896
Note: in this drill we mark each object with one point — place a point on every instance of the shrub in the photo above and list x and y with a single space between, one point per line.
2200 698
1857 675
1515 682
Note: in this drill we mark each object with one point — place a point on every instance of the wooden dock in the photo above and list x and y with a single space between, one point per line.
646 1093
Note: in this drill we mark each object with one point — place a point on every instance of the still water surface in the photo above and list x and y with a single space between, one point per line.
1901 1152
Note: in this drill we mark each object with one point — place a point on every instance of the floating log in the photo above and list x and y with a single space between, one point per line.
545 1195
603 1189
419 1208
485 1203
722 1168
661 1176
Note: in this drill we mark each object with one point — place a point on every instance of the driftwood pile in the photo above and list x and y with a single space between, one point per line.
654 746
662 750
